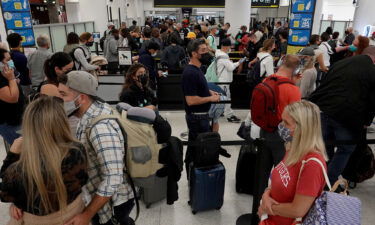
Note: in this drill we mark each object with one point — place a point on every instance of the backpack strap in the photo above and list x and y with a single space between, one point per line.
217 60
84 54
260 63
116 117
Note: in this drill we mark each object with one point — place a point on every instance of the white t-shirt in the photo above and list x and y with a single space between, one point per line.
266 66
327 51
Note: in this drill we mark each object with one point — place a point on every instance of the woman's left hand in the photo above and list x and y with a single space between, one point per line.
15 212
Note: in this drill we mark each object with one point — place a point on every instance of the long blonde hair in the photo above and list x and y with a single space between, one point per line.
46 141
307 136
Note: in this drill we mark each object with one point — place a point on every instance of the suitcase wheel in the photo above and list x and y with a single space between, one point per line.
352 184
148 205
194 212
189 202
218 208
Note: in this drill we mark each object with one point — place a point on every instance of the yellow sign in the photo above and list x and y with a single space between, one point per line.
294 49
295 38
23 38
301 7
18 23
18 5
296 23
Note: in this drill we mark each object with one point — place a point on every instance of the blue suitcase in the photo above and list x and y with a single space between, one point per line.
206 188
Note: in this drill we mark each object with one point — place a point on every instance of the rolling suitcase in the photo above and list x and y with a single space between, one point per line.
155 193
206 188
245 171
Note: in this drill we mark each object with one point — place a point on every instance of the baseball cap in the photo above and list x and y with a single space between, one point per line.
110 24
308 51
82 82
191 35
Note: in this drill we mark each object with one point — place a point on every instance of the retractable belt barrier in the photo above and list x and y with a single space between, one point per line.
252 218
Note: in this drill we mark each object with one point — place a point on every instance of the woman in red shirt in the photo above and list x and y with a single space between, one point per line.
292 194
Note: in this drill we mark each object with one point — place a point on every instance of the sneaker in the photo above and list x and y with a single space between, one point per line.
233 119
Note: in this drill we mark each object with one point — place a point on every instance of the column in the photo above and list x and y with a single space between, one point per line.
237 13
364 15
317 17
3 33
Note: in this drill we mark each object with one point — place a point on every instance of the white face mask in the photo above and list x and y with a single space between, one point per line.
154 54
71 107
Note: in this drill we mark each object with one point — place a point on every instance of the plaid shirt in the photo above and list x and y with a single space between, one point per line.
105 159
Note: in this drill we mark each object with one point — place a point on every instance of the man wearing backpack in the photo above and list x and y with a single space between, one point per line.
225 68
268 102
82 54
110 194
212 44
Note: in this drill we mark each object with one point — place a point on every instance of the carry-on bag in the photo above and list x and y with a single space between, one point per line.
206 152
206 187
155 193
245 171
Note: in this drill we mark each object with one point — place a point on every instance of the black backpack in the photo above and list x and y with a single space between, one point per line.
253 76
206 153
74 58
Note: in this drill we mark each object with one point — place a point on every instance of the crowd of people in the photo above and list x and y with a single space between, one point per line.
325 92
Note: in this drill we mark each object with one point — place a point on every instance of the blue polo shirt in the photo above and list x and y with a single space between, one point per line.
195 84
20 62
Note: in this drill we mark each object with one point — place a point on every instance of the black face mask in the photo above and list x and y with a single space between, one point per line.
89 44
143 79
117 37
346 32
205 59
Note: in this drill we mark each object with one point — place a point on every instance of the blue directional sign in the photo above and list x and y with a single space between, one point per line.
27 36
301 21
303 6
15 5
299 37
20 20
17 19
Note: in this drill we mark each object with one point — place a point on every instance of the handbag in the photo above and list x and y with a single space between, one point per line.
332 208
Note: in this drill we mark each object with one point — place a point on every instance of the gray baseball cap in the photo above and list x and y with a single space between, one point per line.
82 82
308 51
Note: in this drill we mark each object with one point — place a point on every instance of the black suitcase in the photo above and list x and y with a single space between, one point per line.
245 171
206 153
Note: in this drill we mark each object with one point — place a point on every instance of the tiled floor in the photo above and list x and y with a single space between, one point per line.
234 204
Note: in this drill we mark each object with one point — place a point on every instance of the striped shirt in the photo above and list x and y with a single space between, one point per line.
105 159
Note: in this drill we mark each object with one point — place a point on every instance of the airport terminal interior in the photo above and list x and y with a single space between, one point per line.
187 112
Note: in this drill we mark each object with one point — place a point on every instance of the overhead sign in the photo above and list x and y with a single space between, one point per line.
299 37
265 3
190 3
303 6
301 21
17 19
15 5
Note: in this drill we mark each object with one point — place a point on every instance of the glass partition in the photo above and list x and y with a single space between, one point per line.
340 27
79 28
59 32
324 26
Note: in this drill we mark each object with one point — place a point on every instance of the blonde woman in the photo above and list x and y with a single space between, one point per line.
291 195
45 170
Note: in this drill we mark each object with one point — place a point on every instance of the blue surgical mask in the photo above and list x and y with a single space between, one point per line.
217 33
11 64
285 133
353 48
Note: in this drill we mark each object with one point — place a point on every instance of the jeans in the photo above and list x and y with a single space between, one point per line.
228 112
333 130
121 215
9 132
196 124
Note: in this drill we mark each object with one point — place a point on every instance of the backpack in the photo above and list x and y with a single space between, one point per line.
361 165
206 152
211 72
265 103
253 76
74 58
